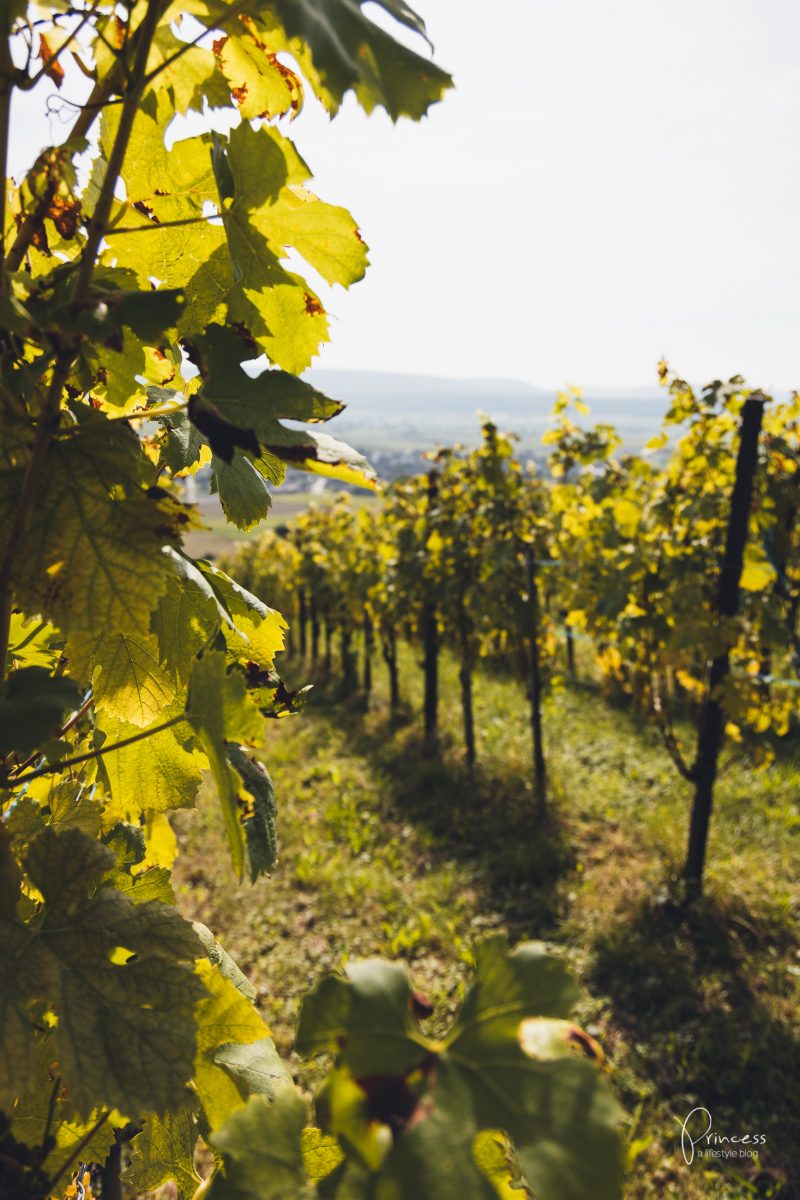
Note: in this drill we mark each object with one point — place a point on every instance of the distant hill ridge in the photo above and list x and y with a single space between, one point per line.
421 407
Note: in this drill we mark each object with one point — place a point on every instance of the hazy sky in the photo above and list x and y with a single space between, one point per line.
612 180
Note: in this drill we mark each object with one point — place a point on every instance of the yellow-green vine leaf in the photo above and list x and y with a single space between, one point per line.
163 186
256 403
128 680
33 704
269 178
29 642
277 307
260 83
32 1118
262 1151
164 1152
157 775
757 574
193 77
118 977
339 49
512 1061
321 1153
225 1017
323 455
242 490
187 617
92 555
64 803
254 632
220 711
260 818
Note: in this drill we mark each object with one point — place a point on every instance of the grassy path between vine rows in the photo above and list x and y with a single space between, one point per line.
385 851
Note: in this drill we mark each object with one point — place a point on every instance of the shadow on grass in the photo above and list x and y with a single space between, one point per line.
520 856
680 986
702 1000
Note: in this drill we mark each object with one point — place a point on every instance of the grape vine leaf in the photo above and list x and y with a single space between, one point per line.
758 573
271 1130
225 1017
260 820
113 373
255 406
64 803
122 325
33 704
260 83
17 1049
324 234
270 212
166 777
92 553
242 490
498 1067
127 679
262 1149
220 711
221 434
321 1154
113 308
151 884
188 75
254 632
285 317
161 185
188 615
368 1010
321 454
255 402
183 446
125 1034
166 186
494 1155
339 49
269 185
164 1152
256 1068
29 643
255 638
32 1119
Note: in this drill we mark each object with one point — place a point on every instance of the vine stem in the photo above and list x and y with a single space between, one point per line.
158 225
62 764
159 410
711 723
6 86
663 719
76 1153
83 123
51 59
51 1108
22 513
76 716
130 107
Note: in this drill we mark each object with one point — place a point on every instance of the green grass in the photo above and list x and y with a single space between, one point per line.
387 851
